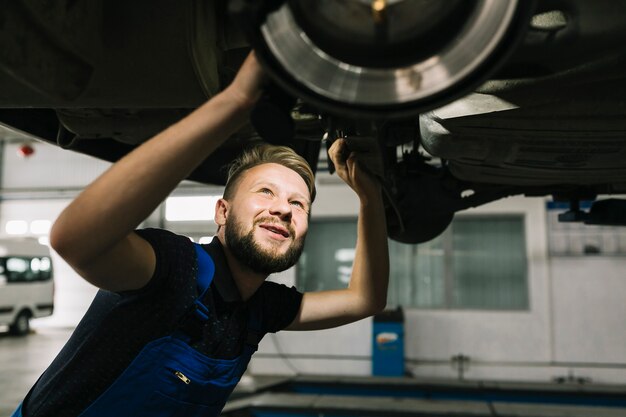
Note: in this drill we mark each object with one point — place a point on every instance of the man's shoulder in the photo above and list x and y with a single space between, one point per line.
276 286
158 233
164 240
272 294
175 257
278 304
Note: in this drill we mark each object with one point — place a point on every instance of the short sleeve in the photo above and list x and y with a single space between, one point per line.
175 260
280 305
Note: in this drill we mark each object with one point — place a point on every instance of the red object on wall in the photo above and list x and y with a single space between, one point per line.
25 151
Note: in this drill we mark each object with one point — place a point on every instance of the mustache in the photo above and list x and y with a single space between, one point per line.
273 220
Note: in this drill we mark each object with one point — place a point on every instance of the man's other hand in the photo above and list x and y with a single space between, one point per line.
352 173
248 84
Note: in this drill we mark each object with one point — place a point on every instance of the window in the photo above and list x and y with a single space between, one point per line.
23 269
191 208
488 263
326 262
477 263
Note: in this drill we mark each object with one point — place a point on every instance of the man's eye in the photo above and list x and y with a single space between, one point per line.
298 204
266 191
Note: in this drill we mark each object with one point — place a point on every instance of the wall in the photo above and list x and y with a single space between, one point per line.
487 337
575 324
589 303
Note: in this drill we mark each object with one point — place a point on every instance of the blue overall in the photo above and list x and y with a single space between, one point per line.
169 378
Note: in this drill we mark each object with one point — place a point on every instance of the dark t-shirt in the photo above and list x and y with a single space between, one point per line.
117 326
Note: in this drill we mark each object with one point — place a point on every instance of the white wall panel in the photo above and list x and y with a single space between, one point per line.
590 309
335 201
344 350
48 167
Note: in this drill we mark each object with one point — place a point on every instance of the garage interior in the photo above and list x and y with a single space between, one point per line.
548 340
501 301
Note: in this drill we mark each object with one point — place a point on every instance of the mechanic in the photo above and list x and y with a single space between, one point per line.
174 323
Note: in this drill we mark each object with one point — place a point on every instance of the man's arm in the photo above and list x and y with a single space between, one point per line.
94 234
367 292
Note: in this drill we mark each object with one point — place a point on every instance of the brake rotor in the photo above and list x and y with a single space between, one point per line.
387 58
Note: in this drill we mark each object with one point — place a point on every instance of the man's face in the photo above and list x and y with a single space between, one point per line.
267 219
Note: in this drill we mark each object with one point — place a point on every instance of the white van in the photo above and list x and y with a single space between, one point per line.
26 283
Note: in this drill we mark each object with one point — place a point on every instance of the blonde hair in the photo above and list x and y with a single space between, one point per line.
269 154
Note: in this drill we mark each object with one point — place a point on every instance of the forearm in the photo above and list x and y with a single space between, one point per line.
367 292
115 204
370 271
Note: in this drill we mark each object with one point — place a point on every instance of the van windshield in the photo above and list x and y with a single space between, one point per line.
25 269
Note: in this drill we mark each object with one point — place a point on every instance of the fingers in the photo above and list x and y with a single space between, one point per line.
336 155
248 84
344 160
349 169
252 69
339 152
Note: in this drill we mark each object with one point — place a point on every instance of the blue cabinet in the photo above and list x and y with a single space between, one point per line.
388 343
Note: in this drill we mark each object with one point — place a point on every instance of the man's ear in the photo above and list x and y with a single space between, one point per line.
221 212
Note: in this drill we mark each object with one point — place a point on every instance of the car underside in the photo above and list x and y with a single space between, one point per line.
451 104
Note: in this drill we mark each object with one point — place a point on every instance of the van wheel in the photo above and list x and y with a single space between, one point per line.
21 325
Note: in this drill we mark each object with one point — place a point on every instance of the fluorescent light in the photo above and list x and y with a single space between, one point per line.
345 255
40 227
193 208
205 239
16 227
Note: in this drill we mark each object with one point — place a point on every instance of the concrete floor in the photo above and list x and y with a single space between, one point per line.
23 359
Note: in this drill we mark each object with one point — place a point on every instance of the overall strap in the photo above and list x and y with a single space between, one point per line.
206 271
190 327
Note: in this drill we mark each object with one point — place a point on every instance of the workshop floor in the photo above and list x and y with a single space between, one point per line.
23 359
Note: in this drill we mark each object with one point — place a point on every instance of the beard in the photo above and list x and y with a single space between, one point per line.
252 255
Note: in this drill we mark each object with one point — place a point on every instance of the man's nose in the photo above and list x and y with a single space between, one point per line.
281 208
